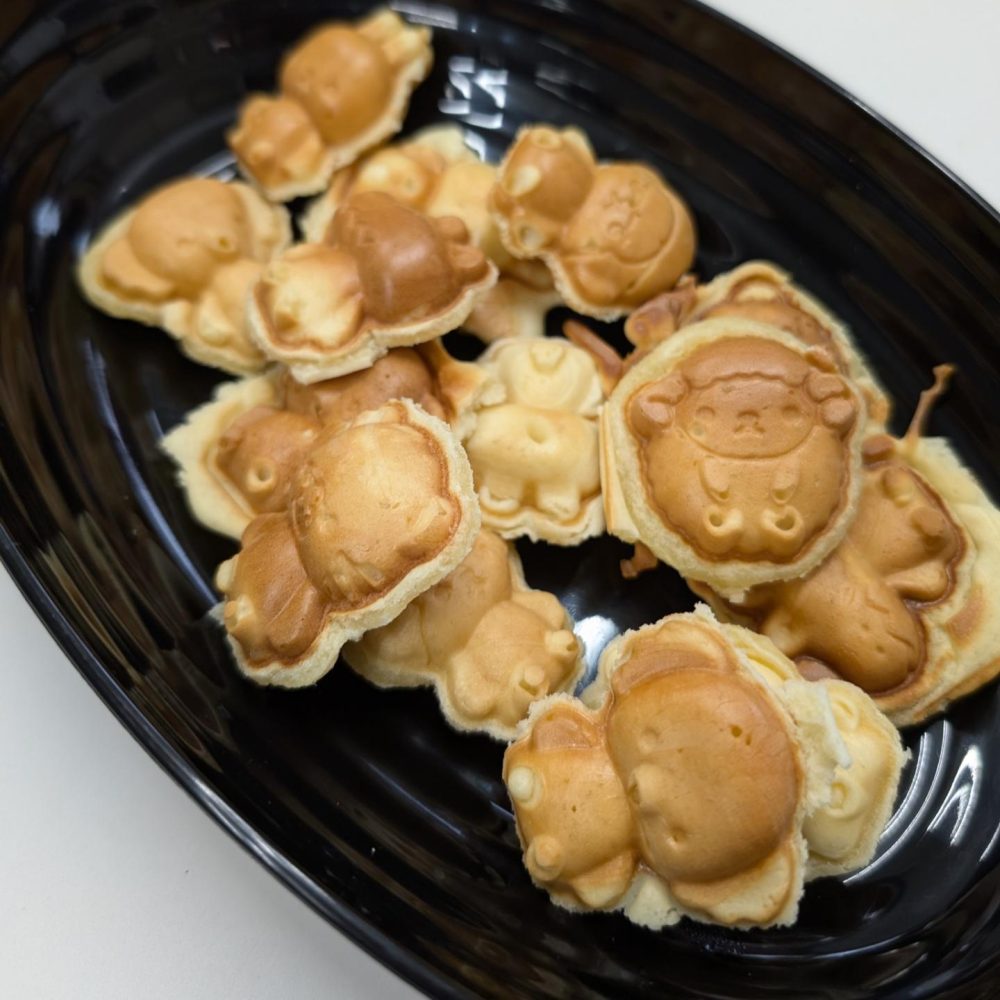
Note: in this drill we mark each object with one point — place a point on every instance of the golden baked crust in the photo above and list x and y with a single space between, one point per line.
184 259
903 607
841 832
760 291
613 235
679 785
388 277
437 174
733 452
487 643
237 454
380 510
343 89
535 455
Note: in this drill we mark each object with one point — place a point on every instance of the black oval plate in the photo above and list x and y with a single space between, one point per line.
391 825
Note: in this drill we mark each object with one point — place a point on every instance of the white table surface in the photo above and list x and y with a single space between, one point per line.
113 883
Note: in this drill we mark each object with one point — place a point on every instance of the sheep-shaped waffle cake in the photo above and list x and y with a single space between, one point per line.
733 452
904 606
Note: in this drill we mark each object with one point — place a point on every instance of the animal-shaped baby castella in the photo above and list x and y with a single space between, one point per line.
343 89
612 234
733 452
903 606
535 455
388 277
489 644
436 173
237 454
184 259
682 783
380 510
764 293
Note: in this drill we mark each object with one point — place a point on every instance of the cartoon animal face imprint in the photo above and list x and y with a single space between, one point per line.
344 88
370 503
859 613
614 235
535 457
745 448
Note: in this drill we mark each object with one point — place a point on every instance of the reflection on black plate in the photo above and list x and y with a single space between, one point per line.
391 825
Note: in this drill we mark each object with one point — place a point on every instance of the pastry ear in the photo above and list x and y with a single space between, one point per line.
563 727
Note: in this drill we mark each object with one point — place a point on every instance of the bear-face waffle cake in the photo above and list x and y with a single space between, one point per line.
489 644
763 292
437 174
184 259
535 455
733 453
380 510
343 89
680 784
388 277
236 455
906 607
613 234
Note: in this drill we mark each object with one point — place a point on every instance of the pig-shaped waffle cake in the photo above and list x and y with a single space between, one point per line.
842 834
237 454
906 607
763 292
437 174
388 277
733 453
381 510
613 234
343 89
184 259
489 644
682 783
535 455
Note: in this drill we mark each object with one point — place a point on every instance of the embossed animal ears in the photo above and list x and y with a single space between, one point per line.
563 727
679 644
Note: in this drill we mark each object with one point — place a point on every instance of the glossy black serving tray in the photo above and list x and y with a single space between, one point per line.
391 825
